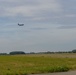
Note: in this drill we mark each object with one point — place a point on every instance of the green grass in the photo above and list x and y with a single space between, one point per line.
31 64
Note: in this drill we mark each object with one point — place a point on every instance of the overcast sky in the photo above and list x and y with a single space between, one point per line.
49 25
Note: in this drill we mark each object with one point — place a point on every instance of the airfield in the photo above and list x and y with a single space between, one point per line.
40 64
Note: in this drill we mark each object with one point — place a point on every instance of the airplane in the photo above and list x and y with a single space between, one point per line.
20 24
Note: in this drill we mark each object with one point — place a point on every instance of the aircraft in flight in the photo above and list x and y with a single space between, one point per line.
20 24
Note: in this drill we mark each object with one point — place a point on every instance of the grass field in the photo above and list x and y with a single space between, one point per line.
36 63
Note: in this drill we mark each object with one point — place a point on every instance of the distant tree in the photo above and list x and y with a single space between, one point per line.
3 53
16 52
74 51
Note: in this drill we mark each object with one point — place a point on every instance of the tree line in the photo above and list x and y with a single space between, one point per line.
48 52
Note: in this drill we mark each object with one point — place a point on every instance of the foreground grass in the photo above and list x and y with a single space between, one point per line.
30 64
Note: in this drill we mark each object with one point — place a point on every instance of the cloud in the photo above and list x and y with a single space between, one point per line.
13 8
39 28
53 11
66 27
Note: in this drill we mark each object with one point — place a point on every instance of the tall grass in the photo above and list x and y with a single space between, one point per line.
30 64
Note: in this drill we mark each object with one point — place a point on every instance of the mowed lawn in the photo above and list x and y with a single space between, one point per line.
36 63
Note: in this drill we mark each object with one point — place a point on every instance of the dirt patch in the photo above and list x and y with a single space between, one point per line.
61 73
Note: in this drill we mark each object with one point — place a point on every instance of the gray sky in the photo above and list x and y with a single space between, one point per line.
50 25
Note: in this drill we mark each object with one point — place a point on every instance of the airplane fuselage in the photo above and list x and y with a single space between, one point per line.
20 24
